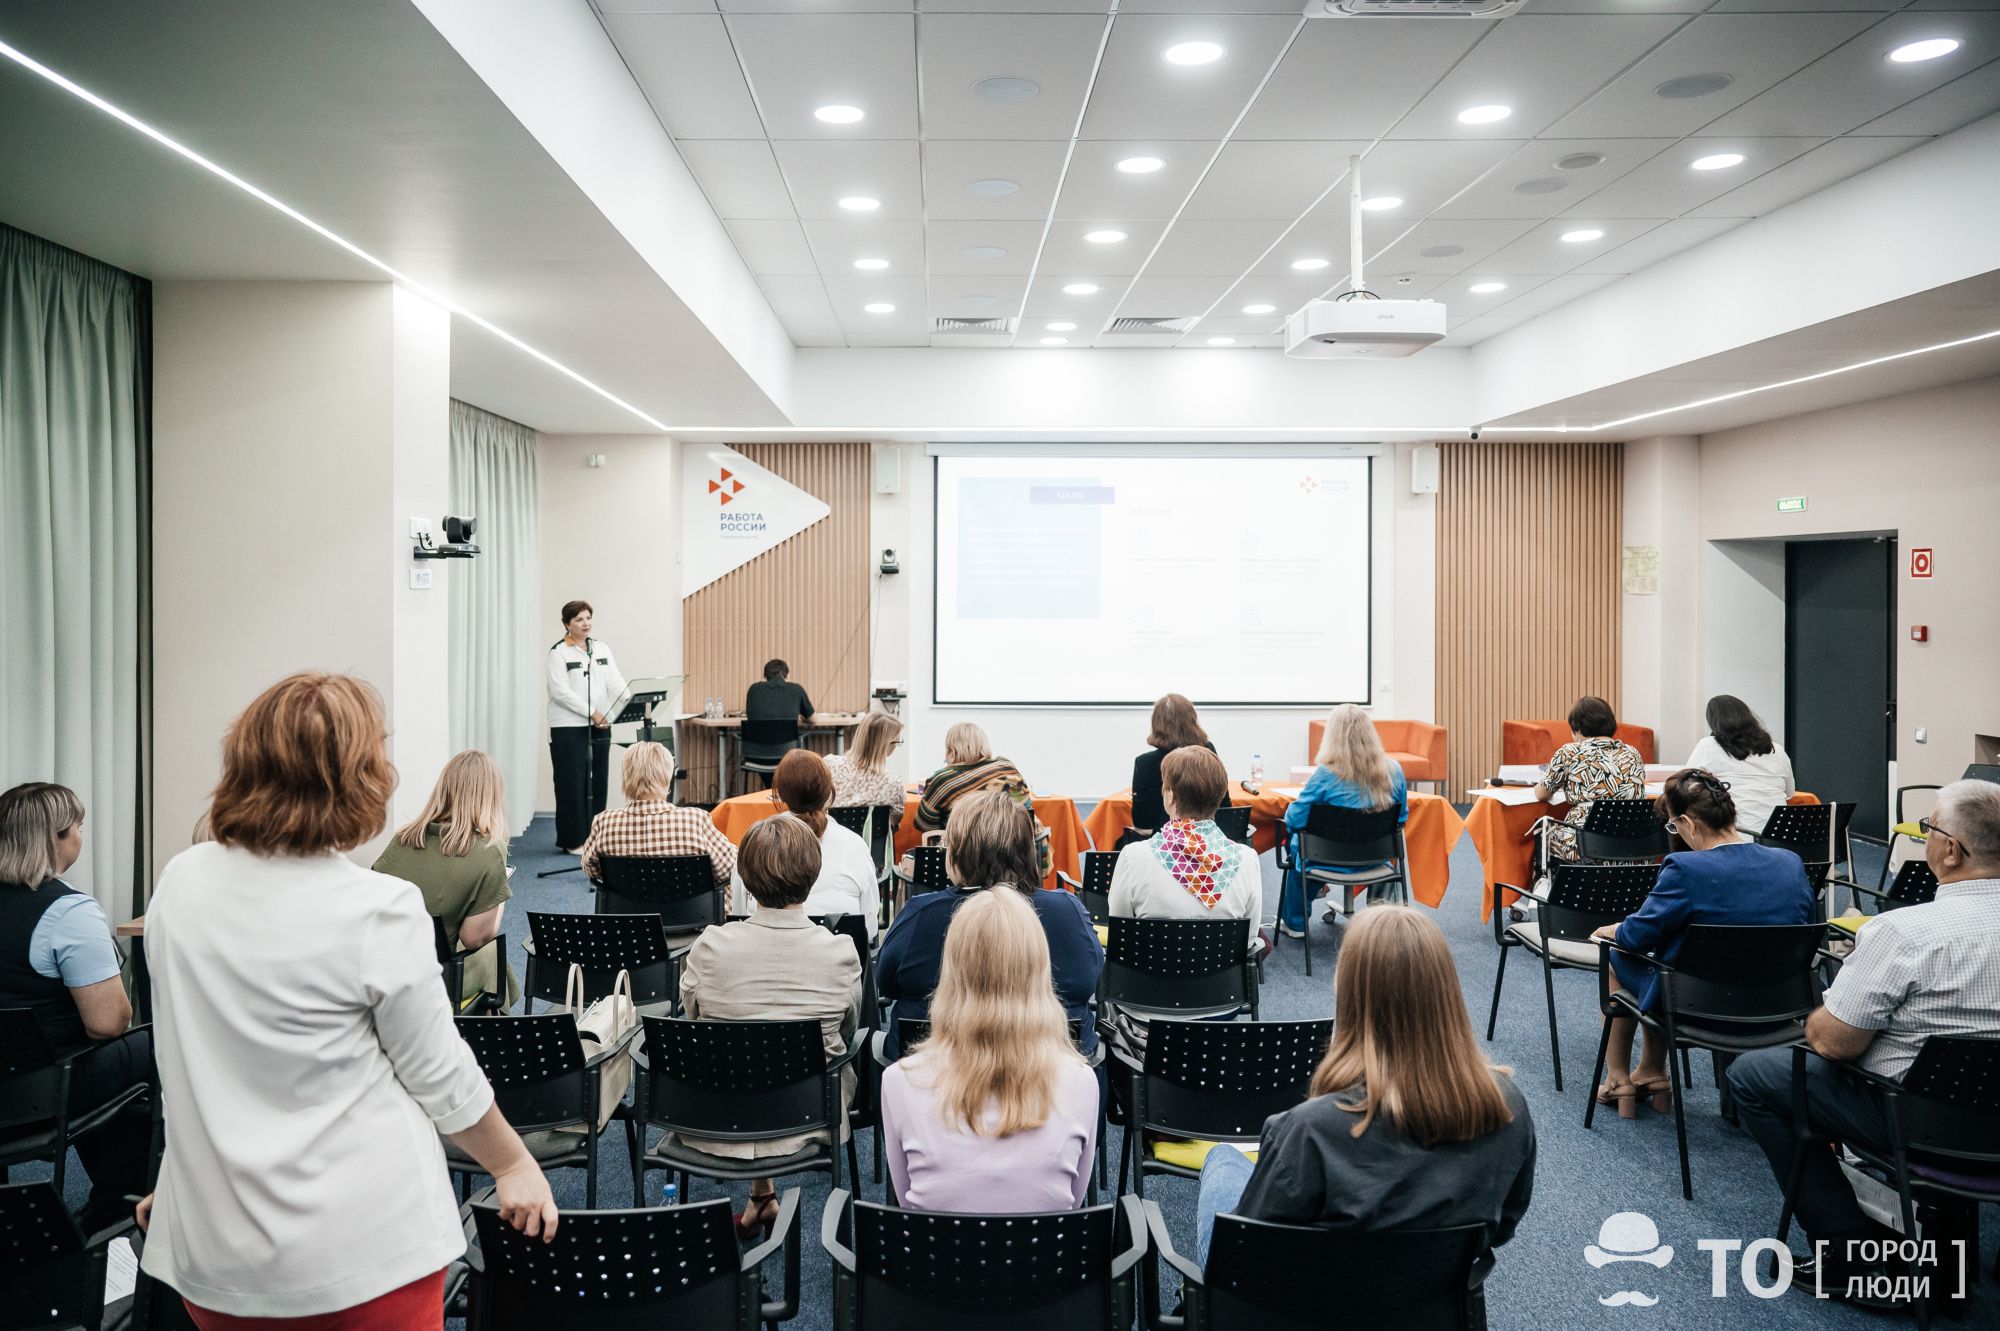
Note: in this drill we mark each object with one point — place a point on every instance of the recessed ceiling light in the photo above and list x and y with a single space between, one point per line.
1005 88
992 189
1440 251
1260 309
1139 166
1717 161
1309 265
871 265
1579 237
1055 341
1062 326
1929 49
839 115
1692 85
1192 53
1484 115
879 307
860 203
983 252
1080 289
1486 288
1381 203
1104 237
1542 185
1222 341
1579 161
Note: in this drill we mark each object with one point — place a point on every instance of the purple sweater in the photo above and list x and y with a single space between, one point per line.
938 1166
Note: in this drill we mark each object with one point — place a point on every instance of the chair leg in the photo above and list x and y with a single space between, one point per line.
1555 1043
1919 1296
1596 1073
1499 978
877 1171
853 1165
590 1175
1674 1067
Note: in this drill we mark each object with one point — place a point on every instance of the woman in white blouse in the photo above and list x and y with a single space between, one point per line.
846 884
306 1052
1738 749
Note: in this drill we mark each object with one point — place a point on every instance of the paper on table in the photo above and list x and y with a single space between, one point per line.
121 1270
1289 792
1528 773
1505 794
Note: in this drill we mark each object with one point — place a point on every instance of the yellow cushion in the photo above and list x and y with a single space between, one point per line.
1910 830
1186 1154
1103 934
1850 923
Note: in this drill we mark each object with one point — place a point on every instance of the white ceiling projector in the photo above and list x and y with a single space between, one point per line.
1358 324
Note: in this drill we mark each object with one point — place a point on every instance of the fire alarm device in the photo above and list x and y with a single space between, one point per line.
1920 633
1923 562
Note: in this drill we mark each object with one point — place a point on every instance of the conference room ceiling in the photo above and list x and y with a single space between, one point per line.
987 197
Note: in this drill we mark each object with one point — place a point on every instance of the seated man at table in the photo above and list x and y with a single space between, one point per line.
1920 971
776 698
650 823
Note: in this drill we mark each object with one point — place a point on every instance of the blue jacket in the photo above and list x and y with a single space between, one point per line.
1740 883
912 955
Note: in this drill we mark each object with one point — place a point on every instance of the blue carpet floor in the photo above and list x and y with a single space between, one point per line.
1582 1177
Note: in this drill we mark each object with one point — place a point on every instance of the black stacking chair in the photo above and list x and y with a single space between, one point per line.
739 1081
1094 888
1234 820
927 873
1620 831
1944 1134
876 824
896 1270
53 1273
1216 1081
765 743
545 1086
637 1270
1411 1279
1731 988
1582 898
1178 968
452 962
603 945
680 889
1914 885
1348 850
1906 828
1804 829
37 1121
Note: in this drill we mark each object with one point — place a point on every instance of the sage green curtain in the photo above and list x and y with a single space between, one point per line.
75 364
496 652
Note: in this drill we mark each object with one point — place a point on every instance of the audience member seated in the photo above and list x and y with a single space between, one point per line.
1353 773
1723 877
307 1055
1594 765
776 698
58 960
990 844
846 883
996 1111
1407 1125
1738 749
1189 870
775 966
650 823
1175 726
970 767
861 776
1917 972
455 851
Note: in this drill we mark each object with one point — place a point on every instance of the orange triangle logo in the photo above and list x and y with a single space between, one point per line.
713 487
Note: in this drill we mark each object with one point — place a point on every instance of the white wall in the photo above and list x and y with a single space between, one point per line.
1743 640
1658 685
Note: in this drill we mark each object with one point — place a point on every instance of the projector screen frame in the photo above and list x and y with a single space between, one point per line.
1367 453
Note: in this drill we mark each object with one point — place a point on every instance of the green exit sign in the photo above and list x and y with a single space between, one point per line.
1796 504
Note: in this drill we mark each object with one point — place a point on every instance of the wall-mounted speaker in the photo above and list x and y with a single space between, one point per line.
1424 469
888 469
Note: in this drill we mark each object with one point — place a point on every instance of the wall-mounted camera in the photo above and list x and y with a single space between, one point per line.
457 540
889 564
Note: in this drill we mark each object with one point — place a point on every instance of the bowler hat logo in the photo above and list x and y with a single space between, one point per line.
1628 1236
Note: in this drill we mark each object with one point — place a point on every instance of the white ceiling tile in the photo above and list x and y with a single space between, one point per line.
916 336
952 164
838 241
1270 178
655 6
773 247
1953 4
1048 300
1199 246
961 296
796 297
1668 186
958 50
1016 6
816 6
1614 6
1804 6
1957 104
815 332
1497 195
1236 326
1140 94
1188 294
1209 6
687 69
1754 50
1543 250
798 62
1095 187
1662 242
821 173
1473 239
1462 304
1542 66
1379 67
740 177
1313 238
945 243
1545 296
1810 173
1858 83
1067 250
1425 174
849 292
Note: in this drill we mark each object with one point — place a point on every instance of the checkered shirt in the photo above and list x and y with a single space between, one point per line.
1924 970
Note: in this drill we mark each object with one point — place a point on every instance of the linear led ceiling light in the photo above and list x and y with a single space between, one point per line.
436 297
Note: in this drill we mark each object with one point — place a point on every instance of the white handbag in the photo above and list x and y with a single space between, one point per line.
608 1023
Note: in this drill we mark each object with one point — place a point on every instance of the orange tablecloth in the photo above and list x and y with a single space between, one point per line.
1499 833
739 814
1431 832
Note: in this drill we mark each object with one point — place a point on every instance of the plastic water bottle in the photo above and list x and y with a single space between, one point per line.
670 1195
1256 770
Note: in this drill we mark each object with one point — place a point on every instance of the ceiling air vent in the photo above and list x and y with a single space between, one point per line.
996 325
1180 325
1407 8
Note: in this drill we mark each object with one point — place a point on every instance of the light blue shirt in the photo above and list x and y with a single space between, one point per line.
72 943
1323 787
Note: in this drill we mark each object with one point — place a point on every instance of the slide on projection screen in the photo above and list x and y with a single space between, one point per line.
1114 579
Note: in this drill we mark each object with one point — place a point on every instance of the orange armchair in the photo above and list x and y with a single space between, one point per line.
1417 746
1537 741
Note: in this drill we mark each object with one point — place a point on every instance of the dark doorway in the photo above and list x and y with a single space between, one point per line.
1840 672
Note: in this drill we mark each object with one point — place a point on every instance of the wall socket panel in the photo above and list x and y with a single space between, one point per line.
419 527
420 579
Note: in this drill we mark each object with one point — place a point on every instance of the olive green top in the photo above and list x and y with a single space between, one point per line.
454 888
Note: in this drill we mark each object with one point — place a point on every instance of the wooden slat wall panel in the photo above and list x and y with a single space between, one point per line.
805 601
1528 588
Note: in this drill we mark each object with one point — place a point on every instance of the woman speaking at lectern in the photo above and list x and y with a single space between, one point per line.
583 681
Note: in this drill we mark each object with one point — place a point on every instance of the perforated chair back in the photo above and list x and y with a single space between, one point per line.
50 1278
734 1080
614 1271
680 889
1982 772
1583 898
1094 887
1413 1280
535 1064
1186 966
1745 974
765 742
927 870
1622 830
1950 1102
1234 820
854 929
1339 838
1219 1081
1804 829
30 1083
853 817
603 945
1913 885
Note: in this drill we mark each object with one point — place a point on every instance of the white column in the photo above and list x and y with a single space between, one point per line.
1660 680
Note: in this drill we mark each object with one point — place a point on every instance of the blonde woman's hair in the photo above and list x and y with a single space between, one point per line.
966 742
990 840
999 1040
874 740
470 799
648 772
1352 749
32 816
1401 1036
